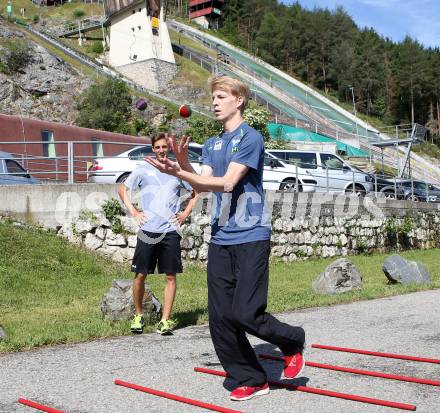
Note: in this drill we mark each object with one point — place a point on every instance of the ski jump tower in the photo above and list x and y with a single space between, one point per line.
140 46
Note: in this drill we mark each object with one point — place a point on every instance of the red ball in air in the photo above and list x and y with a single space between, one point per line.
185 111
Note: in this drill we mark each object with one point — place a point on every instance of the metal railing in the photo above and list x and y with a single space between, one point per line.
73 167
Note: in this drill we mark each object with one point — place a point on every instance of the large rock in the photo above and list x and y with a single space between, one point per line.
339 277
92 242
130 224
2 334
117 303
399 270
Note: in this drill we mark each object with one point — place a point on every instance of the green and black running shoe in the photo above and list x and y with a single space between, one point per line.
137 324
165 327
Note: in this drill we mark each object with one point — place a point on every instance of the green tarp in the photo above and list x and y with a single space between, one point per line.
290 133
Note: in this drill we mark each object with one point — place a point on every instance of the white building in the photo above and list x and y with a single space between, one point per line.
140 46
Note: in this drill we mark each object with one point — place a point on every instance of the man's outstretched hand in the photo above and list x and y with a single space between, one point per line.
167 166
180 149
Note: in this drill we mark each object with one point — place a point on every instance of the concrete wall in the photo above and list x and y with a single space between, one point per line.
55 204
303 225
153 74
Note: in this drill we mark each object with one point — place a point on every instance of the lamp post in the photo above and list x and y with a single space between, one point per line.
354 107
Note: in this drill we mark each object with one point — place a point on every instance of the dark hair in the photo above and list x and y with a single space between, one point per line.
155 138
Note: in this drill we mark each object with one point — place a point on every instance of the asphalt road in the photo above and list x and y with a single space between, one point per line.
79 378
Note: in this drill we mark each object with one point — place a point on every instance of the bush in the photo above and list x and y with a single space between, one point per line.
78 13
112 209
15 55
105 106
257 118
95 48
35 19
201 129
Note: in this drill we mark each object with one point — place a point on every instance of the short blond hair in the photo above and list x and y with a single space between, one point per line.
229 84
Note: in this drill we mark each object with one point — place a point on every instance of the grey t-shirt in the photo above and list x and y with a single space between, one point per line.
159 195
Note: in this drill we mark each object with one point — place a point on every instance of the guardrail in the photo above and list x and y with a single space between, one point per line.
75 166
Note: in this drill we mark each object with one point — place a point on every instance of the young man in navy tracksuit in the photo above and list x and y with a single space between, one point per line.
238 257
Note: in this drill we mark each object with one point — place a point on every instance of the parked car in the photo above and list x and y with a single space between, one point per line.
109 170
196 147
332 173
412 190
12 173
279 175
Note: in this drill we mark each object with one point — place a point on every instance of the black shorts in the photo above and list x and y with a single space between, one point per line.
165 253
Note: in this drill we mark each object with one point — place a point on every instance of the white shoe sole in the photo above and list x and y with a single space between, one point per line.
257 393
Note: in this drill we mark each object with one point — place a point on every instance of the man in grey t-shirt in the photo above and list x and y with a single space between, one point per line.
158 242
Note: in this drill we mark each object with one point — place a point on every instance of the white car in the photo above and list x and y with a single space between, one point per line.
278 175
331 173
115 169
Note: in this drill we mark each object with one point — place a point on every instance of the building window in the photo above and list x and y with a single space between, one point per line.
97 149
48 144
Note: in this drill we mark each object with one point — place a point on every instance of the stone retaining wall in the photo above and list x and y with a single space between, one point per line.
303 226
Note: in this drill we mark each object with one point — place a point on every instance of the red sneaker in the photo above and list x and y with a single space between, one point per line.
293 365
247 392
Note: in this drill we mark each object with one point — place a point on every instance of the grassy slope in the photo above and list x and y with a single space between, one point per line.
50 290
65 12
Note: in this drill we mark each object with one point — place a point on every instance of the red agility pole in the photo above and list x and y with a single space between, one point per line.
376 353
361 372
38 406
322 392
176 398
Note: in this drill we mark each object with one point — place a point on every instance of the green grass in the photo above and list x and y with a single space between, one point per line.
290 283
91 37
50 290
64 12
385 170
177 38
428 149
192 75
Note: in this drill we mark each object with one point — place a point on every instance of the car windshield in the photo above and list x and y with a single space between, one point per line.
272 162
331 161
141 153
196 149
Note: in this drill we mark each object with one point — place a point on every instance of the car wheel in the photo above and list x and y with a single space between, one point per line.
389 195
122 178
413 198
289 185
359 190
